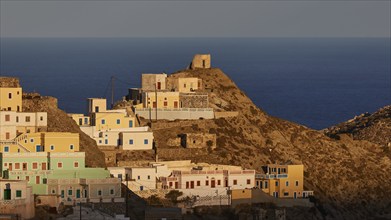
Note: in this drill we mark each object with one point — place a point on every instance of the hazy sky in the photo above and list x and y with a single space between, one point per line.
290 18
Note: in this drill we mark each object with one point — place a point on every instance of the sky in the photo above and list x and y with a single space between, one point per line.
318 18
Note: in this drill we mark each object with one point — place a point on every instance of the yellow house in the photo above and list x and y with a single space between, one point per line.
10 99
282 181
152 81
112 120
165 99
42 142
80 119
96 105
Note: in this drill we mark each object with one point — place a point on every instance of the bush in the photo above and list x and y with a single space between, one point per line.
173 195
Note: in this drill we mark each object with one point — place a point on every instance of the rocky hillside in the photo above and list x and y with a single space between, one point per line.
375 127
351 178
58 121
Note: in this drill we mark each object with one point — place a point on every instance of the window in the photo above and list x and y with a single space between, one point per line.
138 177
6 149
111 191
248 181
100 141
76 164
170 184
17 166
85 120
297 183
62 193
286 193
145 141
106 141
69 192
27 118
53 191
71 146
103 121
99 192
130 124
10 95
184 85
35 166
27 178
32 140
18 193
131 141
41 118
206 183
266 184
198 183
120 176
149 177
7 118
59 165
44 181
51 147
218 182
17 118
287 183
235 182
276 183
80 121
118 121
165 104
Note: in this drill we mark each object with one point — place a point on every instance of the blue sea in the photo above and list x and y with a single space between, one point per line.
315 82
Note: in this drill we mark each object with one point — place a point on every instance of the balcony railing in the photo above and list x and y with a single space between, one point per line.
271 176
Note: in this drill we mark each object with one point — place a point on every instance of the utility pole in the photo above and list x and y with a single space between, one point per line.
156 101
126 196
112 92
80 209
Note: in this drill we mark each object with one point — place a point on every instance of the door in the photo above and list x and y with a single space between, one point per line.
213 183
37 180
7 135
141 188
43 166
154 105
203 63
176 185
159 85
38 148
10 166
78 193
24 166
175 104
294 195
7 194
130 124
191 184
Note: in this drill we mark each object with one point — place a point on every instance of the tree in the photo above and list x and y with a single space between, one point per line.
173 195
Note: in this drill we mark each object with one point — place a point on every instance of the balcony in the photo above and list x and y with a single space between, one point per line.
271 176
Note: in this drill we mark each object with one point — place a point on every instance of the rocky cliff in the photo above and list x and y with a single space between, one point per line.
375 127
58 121
351 178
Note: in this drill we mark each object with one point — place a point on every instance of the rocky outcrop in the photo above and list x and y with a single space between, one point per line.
58 121
351 178
11 82
375 127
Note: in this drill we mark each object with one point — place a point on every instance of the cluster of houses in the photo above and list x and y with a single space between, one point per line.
49 165
47 168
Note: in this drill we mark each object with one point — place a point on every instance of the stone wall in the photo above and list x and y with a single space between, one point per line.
226 114
194 100
173 114
199 140
10 82
201 61
183 153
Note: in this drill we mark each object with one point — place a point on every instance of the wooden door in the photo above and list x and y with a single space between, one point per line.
43 166
192 185
175 104
213 183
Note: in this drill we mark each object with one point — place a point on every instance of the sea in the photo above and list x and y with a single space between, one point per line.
317 82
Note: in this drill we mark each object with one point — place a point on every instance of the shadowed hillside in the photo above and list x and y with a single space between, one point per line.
58 121
351 178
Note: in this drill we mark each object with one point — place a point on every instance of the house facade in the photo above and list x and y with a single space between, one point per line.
16 197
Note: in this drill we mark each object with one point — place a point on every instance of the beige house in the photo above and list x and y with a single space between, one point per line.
184 84
139 178
209 182
16 198
165 99
136 140
152 81
96 105
13 123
